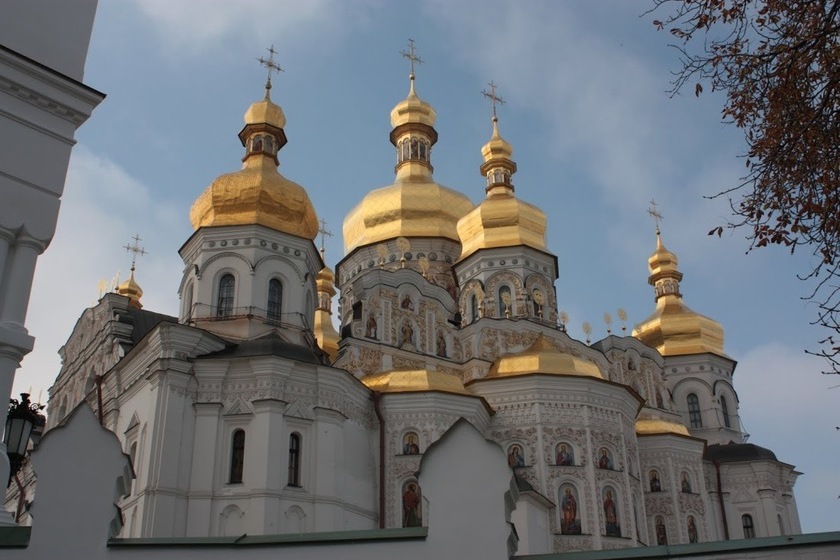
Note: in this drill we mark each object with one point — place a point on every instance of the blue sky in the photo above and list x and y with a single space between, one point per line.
594 132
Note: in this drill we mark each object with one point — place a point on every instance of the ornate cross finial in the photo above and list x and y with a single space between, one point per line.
412 58
655 214
271 66
324 232
136 249
491 95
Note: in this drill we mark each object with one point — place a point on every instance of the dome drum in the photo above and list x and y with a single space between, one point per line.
409 127
250 129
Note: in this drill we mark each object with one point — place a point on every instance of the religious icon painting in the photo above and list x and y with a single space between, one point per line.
569 510
691 526
565 454
655 484
685 483
516 456
612 524
411 445
411 505
661 531
605 459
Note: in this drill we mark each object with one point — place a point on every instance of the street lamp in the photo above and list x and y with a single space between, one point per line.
23 417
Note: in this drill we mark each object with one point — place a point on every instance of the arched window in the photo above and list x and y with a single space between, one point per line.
294 460
405 150
275 299
504 302
258 144
749 528
132 454
694 417
188 303
227 285
473 308
725 409
269 145
415 149
655 484
423 151
237 457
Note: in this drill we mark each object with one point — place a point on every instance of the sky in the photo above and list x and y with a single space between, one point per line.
595 133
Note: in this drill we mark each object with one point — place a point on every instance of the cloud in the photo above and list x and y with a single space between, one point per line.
195 25
789 407
103 207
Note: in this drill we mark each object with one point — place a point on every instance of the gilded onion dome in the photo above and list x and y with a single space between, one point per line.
131 289
501 219
658 426
674 329
324 329
257 193
406 381
415 205
543 357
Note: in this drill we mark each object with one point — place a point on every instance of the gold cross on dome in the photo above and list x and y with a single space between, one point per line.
136 249
491 95
271 65
411 56
324 232
655 214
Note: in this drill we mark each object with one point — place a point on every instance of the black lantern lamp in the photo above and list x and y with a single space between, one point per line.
23 417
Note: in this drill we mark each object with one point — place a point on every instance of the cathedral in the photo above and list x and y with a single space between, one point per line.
251 413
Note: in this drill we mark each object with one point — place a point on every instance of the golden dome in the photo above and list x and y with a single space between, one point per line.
674 329
405 381
658 426
412 110
500 220
405 209
415 205
543 357
131 289
257 193
324 329
265 112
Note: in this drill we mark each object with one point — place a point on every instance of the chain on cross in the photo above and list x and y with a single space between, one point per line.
271 65
135 248
411 56
324 232
491 95
655 214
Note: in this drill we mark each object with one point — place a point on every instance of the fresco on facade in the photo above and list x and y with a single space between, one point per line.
565 454
411 505
612 522
516 457
570 520
410 444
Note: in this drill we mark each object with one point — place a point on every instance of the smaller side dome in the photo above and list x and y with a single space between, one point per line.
674 329
412 110
416 380
267 112
501 219
658 426
324 329
132 290
543 357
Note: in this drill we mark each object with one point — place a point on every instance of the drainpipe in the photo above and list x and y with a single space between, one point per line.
377 399
720 500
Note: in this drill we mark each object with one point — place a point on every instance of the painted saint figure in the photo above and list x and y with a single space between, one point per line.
661 532
605 461
655 486
564 455
570 523
515 457
407 333
685 484
406 302
370 330
612 529
410 446
411 506
692 530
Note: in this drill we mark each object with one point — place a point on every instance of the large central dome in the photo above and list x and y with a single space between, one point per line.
415 205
